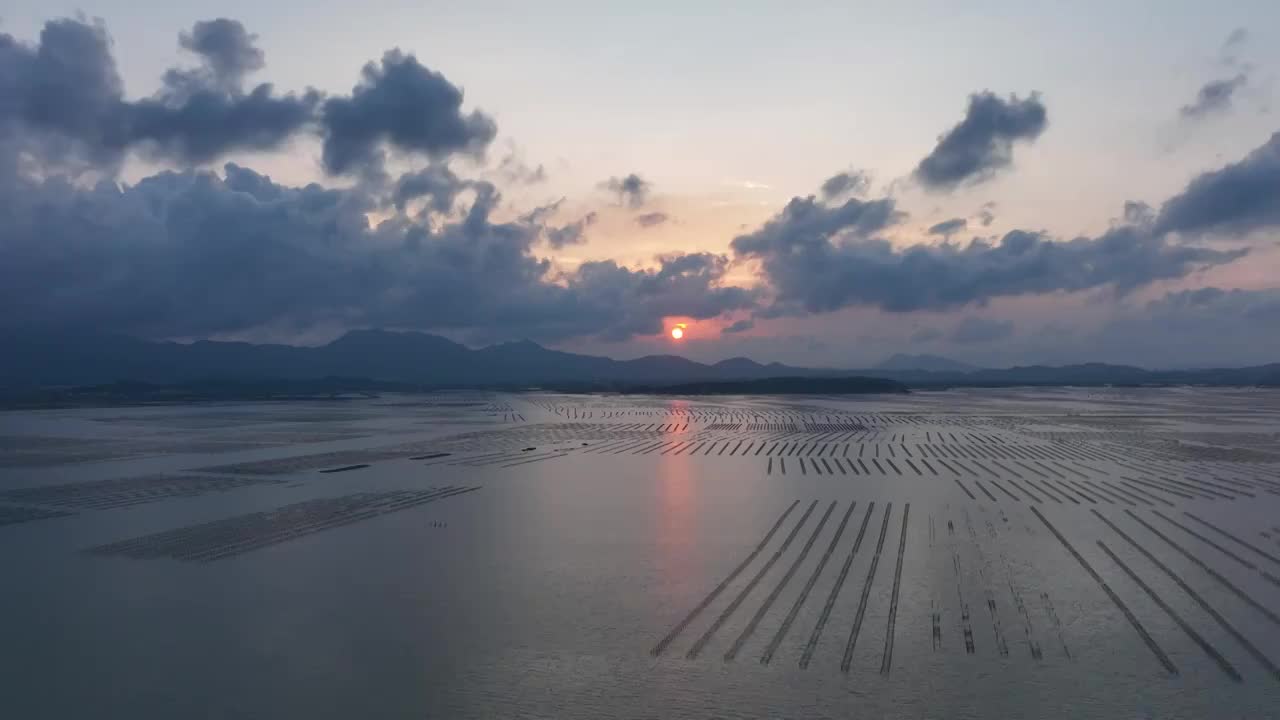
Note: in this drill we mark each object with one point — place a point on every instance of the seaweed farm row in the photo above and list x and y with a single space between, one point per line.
763 588
13 514
825 578
234 536
854 444
1035 482
123 492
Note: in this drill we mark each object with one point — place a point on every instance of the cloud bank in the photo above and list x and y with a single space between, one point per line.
191 252
820 259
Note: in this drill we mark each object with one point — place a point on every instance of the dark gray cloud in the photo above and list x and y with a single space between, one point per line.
820 259
202 124
204 113
982 144
141 257
1214 97
1234 200
851 182
438 184
980 330
947 228
227 47
648 220
572 234
401 103
632 190
739 326
805 225
62 97
65 95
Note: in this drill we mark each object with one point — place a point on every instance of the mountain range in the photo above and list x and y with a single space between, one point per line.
37 359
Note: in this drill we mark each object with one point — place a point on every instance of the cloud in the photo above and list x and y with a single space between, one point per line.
515 170
635 302
437 183
203 113
65 96
1231 45
401 103
1213 97
986 214
852 182
572 234
1234 200
1138 213
632 190
820 259
200 124
65 93
539 215
947 228
982 144
806 225
227 47
1235 38
1212 303
980 330
739 326
648 220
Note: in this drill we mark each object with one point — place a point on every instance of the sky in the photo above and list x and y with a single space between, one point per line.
812 183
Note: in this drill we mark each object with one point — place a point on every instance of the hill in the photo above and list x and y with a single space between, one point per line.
429 361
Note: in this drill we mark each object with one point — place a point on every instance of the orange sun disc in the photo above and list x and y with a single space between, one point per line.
677 333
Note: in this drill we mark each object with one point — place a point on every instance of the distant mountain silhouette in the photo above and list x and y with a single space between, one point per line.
419 359
383 355
740 367
929 363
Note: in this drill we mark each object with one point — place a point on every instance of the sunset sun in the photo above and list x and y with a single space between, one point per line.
677 332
